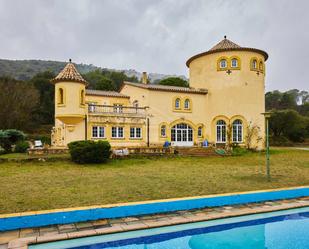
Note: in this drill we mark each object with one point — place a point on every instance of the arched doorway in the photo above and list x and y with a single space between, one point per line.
182 135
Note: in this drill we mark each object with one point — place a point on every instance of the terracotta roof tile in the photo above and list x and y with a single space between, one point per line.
69 73
166 88
227 45
105 93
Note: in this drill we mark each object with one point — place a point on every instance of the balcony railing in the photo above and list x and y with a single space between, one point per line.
117 110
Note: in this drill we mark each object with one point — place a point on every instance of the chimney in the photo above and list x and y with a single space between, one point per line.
144 78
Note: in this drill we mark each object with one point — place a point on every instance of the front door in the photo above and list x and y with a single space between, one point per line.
182 135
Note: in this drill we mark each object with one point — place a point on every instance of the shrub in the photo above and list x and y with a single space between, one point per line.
10 137
21 147
280 141
239 151
89 151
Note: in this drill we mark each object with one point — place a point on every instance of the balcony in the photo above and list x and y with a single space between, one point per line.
117 111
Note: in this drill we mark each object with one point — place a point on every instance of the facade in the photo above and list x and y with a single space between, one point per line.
224 104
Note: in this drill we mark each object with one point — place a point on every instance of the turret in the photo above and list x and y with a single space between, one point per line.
235 79
70 90
70 107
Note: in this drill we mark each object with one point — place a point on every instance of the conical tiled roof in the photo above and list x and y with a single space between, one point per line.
69 73
227 45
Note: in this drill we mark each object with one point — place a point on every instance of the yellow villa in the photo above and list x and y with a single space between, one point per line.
223 103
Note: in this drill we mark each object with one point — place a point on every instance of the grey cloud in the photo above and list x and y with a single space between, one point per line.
157 36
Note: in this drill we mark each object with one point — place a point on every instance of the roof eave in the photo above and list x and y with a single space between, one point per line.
224 50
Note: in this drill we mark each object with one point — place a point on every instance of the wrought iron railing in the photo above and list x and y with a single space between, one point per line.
116 110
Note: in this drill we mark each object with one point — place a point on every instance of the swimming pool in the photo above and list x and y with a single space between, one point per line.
287 229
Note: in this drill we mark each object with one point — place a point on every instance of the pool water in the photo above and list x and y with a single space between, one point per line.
287 229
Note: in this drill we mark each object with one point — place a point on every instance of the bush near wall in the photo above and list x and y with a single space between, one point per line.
21 147
89 151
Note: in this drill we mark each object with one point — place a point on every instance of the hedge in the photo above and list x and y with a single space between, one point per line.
89 151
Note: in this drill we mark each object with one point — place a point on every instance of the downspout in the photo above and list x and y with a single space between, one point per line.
86 135
147 132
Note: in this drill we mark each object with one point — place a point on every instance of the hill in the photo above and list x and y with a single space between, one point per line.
26 69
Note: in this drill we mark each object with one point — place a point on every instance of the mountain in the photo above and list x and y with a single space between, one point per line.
26 69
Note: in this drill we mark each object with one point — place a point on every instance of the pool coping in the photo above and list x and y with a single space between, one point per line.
22 243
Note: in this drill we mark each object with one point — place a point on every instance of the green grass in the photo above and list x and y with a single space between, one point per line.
47 185
26 156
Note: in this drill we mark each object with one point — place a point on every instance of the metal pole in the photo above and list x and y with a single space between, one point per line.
267 150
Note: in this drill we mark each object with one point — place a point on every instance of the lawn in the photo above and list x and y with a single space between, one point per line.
47 185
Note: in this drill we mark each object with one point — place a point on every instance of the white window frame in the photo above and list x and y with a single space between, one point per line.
134 134
187 104
237 129
100 132
254 64
234 59
163 128
177 104
117 132
221 63
200 131
221 131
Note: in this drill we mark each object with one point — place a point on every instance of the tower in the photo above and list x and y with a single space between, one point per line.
70 107
235 79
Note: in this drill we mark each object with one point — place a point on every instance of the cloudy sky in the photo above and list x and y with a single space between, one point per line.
158 35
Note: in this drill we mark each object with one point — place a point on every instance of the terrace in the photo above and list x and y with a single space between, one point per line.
117 111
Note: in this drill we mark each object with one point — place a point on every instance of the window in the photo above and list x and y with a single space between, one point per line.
223 63
163 131
237 131
254 64
200 131
221 131
98 132
234 63
187 104
135 132
60 96
118 108
82 97
135 103
117 132
91 107
177 103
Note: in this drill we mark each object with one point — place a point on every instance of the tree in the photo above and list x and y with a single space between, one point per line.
98 81
174 81
18 101
289 124
44 113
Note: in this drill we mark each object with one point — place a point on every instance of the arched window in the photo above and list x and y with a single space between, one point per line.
254 64
82 97
177 103
221 131
163 131
234 63
223 63
200 131
261 66
135 103
187 104
237 131
60 96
